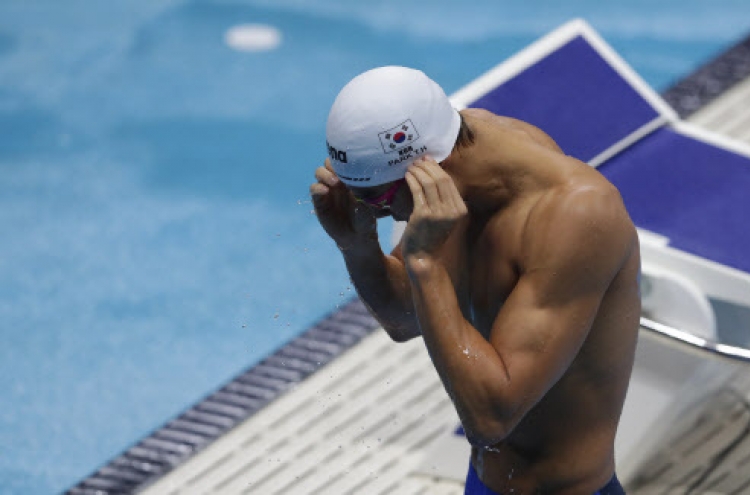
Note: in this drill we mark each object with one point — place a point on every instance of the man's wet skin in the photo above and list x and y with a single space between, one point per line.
525 259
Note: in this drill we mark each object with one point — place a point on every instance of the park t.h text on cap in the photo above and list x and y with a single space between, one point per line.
383 120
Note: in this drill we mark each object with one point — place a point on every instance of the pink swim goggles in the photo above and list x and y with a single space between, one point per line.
384 200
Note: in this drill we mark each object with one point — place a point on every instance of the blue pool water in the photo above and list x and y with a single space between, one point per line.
156 229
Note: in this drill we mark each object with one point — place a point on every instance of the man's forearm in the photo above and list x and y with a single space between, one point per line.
472 371
383 286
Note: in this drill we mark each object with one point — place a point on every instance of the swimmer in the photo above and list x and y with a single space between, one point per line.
518 267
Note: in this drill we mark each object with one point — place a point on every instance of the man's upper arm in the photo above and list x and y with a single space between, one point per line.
573 254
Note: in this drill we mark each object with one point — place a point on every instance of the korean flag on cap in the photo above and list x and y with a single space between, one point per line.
398 137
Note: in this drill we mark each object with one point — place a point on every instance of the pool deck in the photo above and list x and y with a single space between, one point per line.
239 439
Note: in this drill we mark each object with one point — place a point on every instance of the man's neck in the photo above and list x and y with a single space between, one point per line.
504 164
498 188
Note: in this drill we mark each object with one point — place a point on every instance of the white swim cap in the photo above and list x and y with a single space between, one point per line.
384 119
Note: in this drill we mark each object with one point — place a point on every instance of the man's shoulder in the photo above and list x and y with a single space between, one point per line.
586 196
530 132
580 219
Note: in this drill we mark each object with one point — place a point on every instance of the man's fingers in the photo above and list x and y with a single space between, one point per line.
326 175
443 181
324 196
431 194
446 187
329 166
416 191
317 190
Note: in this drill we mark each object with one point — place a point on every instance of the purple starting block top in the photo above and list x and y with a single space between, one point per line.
689 190
577 97
693 192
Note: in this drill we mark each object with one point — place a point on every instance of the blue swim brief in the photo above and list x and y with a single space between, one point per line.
474 486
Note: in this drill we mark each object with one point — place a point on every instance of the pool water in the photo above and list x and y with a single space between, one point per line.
157 234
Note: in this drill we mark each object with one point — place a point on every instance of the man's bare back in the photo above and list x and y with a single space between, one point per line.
519 267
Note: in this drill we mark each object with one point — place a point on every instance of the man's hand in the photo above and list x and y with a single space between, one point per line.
438 208
347 222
